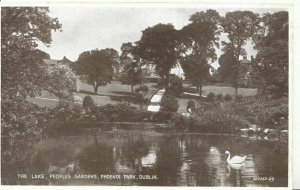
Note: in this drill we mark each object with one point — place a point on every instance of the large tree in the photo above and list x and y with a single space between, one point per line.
272 61
198 41
130 66
96 66
158 46
240 27
23 72
229 67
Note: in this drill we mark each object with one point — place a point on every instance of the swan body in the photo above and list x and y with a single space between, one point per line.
235 159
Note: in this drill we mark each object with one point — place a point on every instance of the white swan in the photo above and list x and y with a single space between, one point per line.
235 167
235 159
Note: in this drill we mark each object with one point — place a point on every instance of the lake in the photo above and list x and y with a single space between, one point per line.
118 155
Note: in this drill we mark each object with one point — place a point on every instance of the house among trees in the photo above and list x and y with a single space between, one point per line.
246 72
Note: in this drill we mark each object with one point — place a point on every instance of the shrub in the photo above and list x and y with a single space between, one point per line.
191 105
210 97
117 112
227 97
142 89
213 121
179 121
169 104
68 109
238 98
262 112
88 102
219 96
162 116
175 87
121 112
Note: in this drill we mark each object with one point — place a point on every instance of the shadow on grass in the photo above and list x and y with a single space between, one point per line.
123 93
190 90
130 99
123 97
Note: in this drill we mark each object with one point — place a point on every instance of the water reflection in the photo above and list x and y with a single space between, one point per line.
176 159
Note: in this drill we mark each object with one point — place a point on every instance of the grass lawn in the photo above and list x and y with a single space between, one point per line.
115 92
112 93
221 90
211 88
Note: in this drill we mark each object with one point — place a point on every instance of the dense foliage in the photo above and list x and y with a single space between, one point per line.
272 61
96 66
169 104
23 72
175 86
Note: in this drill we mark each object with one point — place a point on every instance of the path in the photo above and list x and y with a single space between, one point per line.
154 105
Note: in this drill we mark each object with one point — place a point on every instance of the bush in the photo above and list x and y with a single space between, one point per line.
88 102
117 112
227 97
68 109
162 116
219 96
143 89
169 104
175 87
122 112
210 97
191 105
213 121
238 98
262 112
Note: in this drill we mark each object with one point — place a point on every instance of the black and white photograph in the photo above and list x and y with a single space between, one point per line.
145 95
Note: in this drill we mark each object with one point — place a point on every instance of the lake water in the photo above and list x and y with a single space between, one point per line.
160 157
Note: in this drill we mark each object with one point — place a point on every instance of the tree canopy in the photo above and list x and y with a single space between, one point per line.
198 41
272 61
240 26
158 46
96 66
131 67
23 71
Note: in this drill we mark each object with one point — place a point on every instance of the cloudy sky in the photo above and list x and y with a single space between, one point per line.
89 27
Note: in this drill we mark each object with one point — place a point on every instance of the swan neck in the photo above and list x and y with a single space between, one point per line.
228 158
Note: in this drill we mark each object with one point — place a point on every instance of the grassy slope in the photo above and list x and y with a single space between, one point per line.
116 92
215 89
109 94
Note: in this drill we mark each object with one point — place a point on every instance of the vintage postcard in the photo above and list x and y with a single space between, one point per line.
141 94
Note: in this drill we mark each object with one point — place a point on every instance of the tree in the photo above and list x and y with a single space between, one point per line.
197 45
131 67
175 87
240 26
96 66
229 68
23 72
271 65
158 46
196 70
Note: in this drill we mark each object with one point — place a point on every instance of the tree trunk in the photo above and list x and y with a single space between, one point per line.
236 88
95 87
200 90
200 86
167 81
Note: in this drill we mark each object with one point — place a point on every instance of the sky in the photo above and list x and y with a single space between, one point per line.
88 27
